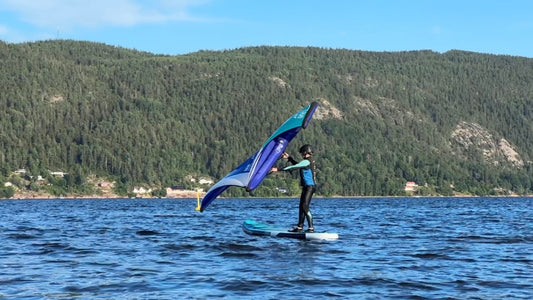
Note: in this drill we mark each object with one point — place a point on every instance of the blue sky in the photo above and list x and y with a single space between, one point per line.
184 26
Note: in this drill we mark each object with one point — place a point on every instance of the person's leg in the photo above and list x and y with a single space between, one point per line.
301 211
305 202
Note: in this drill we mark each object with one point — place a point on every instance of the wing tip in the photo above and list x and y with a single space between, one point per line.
312 107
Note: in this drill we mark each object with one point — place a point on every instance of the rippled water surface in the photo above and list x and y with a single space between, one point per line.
478 248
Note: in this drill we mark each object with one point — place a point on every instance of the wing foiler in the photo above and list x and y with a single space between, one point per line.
252 172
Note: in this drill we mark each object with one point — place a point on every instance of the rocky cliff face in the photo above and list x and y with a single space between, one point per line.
472 138
327 111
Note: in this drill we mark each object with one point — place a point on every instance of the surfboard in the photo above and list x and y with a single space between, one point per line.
257 228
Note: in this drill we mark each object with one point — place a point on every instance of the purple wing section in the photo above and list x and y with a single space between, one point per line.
269 155
252 172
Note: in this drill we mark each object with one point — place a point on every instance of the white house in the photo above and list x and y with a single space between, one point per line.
20 171
58 174
205 181
141 190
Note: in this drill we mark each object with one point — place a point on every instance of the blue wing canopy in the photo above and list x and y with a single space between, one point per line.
252 172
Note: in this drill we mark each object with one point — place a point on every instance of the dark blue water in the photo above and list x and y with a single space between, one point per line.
407 248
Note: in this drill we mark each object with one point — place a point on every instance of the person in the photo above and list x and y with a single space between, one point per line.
307 169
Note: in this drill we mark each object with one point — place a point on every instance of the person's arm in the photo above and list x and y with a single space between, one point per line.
302 164
291 160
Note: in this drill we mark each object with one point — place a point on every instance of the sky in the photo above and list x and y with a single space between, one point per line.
175 27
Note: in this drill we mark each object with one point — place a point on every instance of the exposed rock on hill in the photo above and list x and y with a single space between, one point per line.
327 111
472 137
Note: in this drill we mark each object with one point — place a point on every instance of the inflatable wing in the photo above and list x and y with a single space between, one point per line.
252 172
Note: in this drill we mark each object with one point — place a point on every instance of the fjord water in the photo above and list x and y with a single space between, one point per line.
455 248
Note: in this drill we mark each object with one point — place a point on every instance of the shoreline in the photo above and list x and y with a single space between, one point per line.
44 196
193 195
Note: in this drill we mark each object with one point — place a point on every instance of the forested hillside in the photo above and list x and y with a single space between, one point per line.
457 122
